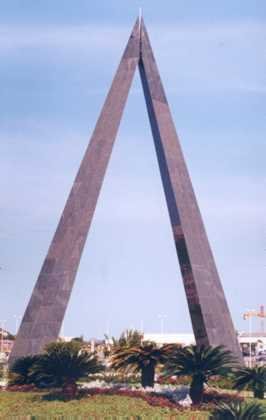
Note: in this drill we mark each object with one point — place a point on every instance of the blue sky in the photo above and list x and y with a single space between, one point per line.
57 60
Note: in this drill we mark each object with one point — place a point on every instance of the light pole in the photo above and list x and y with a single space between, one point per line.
249 314
2 335
162 318
141 326
250 340
107 328
17 319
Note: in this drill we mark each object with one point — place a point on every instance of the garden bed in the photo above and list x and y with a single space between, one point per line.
19 404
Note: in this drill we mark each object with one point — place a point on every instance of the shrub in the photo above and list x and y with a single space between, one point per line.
115 378
63 364
212 395
21 372
223 382
238 410
174 380
253 378
201 363
143 358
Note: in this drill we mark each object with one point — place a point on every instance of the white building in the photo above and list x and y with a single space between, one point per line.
257 340
185 339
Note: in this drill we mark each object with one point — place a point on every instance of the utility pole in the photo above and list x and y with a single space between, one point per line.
2 322
17 319
162 318
248 315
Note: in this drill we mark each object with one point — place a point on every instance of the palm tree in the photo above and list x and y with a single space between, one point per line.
21 370
128 338
62 364
144 358
237 410
199 362
254 377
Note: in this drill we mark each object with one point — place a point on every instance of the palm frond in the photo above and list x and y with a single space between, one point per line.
65 362
138 356
255 378
193 360
238 410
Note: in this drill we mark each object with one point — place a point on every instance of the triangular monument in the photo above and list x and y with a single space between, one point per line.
210 316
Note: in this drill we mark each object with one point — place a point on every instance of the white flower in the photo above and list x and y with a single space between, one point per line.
186 402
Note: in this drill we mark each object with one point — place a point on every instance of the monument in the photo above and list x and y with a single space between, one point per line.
210 316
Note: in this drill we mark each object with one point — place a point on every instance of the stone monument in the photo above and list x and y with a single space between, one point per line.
210 316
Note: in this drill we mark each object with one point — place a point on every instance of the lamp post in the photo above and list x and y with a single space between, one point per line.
250 340
107 328
248 315
162 318
250 312
141 326
17 319
2 322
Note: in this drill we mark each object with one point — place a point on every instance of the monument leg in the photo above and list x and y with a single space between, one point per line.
211 320
45 312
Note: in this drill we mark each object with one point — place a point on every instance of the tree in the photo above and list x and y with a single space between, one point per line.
79 339
21 370
237 410
255 378
199 362
128 338
62 364
1 371
143 357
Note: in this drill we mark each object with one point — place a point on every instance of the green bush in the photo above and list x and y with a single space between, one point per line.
115 378
63 364
237 410
200 363
21 372
226 382
1 371
252 378
174 380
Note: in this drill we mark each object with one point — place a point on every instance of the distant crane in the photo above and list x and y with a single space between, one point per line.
258 314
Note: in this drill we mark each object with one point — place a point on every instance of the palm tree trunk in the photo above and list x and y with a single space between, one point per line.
196 389
147 375
70 389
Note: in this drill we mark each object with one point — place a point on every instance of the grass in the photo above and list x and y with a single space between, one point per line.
32 406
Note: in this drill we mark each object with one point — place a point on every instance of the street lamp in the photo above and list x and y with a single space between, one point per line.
2 323
107 328
17 319
162 318
248 315
141 326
